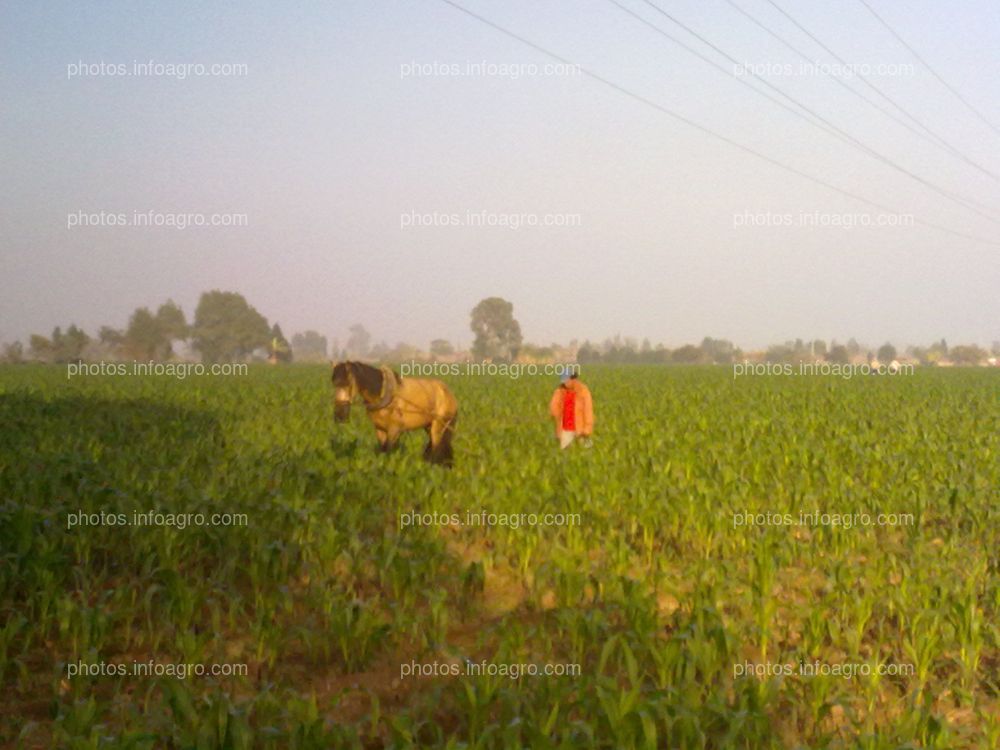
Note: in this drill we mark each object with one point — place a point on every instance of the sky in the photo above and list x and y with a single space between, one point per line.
360 149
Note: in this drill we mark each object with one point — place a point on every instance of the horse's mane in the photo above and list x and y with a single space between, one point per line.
369 378
339 376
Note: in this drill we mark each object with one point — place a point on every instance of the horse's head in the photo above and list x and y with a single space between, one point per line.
345 388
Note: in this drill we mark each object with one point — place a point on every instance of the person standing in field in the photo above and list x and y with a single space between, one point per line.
573 410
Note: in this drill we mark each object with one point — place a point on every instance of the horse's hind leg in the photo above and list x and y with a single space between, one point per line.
433 436
439 448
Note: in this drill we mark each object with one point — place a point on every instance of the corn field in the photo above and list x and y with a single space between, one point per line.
719 536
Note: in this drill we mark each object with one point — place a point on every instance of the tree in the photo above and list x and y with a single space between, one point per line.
587 354
886 353
110 336
149 336
403 352
40 347
498 334
226 328
172 323
309 347
718 351
13 353
782 353
967 354
688 355
619 350
838 355
661 354
538 353
359 342
144 337
937 351
279 349
441 348
61 347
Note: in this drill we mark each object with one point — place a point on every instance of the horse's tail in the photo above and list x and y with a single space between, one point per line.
445 454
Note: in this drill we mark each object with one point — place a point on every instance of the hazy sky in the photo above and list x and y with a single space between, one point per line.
328 146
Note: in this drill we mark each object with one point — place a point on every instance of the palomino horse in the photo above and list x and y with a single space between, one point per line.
396 405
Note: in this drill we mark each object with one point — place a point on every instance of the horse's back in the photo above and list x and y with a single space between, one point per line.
440 399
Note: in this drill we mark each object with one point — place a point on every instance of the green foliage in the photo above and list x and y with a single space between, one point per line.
13 353
498 334
441 348
688 355
110 336
967 354
171 321
148 336
144 338
279 348
61 347
655 593
226 328
886 353
839 355
359 342
309 347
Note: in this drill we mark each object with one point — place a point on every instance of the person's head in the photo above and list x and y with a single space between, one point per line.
568 379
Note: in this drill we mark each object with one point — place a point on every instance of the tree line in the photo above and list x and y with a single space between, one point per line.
226 328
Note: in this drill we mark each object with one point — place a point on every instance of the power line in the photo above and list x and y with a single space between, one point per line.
868 83
860 95
718 136
967 203
723 69
933 72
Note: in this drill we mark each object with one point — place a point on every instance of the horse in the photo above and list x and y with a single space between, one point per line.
396 405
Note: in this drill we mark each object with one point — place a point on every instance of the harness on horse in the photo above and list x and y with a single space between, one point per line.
389 384
390 392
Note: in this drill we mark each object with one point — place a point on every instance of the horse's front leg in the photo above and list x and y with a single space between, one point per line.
392 438
388 439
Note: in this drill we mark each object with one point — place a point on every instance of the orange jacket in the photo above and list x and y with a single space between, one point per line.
583 408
